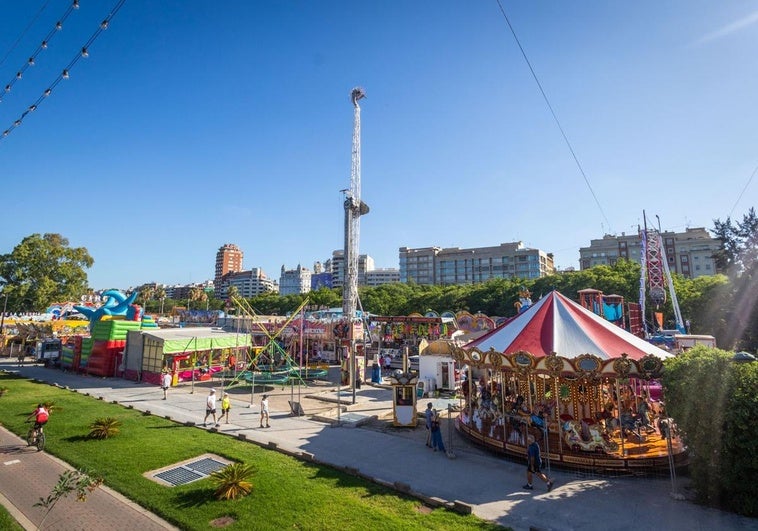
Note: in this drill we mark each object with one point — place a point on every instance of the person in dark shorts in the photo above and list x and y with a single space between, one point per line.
534 465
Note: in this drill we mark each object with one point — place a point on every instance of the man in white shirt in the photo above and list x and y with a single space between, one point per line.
264 411
210 407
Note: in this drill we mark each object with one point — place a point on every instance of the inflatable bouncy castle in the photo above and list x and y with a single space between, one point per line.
100 354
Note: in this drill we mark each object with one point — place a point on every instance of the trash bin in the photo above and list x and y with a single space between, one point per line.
376 373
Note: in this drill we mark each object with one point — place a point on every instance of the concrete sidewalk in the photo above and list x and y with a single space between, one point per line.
27 475
490 485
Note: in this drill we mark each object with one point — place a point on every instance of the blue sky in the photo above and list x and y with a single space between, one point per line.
193 124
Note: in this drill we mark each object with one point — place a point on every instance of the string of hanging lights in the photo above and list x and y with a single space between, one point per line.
42 46
65 74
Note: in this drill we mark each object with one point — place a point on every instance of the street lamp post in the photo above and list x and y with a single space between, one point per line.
2 320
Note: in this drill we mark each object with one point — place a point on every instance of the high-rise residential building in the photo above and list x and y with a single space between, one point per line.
337 267
689 253
294 281
377 277
445 266
249 283
228 260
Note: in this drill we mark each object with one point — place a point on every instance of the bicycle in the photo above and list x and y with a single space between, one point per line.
36 438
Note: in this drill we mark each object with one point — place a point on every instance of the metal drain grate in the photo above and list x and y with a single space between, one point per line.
206 466
187 473
179 476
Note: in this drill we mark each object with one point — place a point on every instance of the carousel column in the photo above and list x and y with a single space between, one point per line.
618 408
469 379
558 415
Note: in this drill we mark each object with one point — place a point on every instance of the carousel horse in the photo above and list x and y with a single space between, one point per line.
579 435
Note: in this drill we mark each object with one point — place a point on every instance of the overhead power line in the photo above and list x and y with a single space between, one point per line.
555 117
26 29
42 46
83 53
747 184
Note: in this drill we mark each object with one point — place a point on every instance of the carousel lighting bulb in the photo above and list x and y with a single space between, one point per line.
75 5
18 75
7 88
47 92
43 45
59 25
104 25
31 61
32 108
17 123
6 132
85 53
65 74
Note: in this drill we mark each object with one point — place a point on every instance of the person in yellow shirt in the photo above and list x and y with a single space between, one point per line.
226 405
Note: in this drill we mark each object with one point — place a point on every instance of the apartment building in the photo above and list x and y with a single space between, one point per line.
689 253
446 266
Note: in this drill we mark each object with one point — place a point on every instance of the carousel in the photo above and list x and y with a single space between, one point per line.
578 383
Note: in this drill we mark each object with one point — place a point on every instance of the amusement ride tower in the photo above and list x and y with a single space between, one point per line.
656 268
354 209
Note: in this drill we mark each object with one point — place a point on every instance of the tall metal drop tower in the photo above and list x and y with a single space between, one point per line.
354 209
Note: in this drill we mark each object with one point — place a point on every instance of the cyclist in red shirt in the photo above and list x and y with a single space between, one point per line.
40 417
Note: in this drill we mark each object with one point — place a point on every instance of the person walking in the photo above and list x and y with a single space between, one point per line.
165 383
534 465
429 414
226 405
210 407
265 411
436 432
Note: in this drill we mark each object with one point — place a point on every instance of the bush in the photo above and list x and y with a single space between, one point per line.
104 428
233 481
713 401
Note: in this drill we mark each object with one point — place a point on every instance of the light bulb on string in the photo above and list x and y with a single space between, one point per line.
48 92
18 75
17 123
85 53
7 88
104 25
43 45
32 108
59 25
65 74
31 61
76 4
6 132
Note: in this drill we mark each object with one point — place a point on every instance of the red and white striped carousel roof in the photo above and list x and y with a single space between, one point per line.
558 324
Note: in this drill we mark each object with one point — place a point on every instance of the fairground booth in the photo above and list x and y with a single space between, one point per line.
189 354
577 382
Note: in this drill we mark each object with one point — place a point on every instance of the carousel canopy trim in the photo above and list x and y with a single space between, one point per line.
558 324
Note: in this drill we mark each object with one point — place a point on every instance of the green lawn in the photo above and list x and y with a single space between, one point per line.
7 522
288 493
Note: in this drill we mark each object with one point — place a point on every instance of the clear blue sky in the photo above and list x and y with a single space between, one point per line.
192 124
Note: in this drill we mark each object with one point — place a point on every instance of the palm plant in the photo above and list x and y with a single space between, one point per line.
233 481
103 428
195 294
160 294
147 295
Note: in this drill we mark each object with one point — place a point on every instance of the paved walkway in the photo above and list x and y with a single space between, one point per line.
490 485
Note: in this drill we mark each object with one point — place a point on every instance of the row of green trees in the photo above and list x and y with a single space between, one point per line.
44 269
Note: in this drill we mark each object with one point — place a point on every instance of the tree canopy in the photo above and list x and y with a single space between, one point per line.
43 269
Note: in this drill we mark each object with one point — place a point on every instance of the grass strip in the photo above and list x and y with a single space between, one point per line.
287 493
